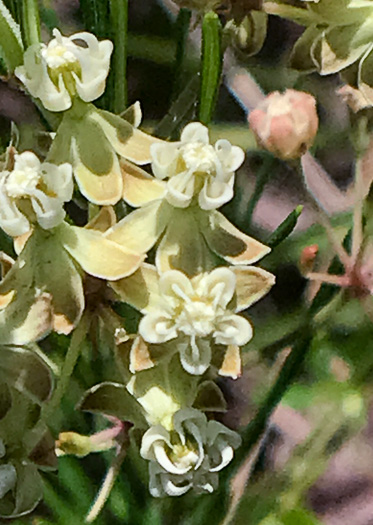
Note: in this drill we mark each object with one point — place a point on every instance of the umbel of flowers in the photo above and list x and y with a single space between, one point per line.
191 300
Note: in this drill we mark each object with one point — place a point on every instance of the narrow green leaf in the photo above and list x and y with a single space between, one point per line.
181 33
11 46
31 22
285 228
211 65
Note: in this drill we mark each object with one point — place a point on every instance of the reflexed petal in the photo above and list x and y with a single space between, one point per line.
233 330
96 254
195 132
103 221
196 356
141 289
139 187
140 356
183 245
129 142
229 242
252 284
165 462
226 457
140 230
157 328
231 366
133 114
102 188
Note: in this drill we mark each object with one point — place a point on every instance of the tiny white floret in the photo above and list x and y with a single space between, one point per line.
33 192
56 72
194 167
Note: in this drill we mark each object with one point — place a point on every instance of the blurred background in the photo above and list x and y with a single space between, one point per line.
315 462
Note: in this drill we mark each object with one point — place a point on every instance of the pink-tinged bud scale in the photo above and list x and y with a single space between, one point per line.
285 123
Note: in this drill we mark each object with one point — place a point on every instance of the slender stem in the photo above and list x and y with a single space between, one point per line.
107 484
31 22
325 222
338 280
71 359
119 21
357 228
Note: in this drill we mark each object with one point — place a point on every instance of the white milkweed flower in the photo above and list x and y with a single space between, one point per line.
56 72
189 456
33 192
194 167
199 309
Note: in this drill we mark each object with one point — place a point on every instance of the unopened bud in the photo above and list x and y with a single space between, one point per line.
307 258
285 123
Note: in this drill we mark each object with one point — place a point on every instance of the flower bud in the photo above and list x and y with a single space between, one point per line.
285 123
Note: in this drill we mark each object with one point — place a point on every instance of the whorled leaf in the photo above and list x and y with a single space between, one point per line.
11 46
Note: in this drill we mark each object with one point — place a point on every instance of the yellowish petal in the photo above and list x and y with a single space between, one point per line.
251 285
97 255
104 220
140 230
139 187
106 188
141 289
228 242
231 366
140 357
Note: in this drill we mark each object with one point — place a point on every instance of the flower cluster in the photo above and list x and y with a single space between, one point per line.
67 277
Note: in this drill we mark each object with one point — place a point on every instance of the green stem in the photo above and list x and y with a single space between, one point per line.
119 21
211 66
31 22
108 483
71 359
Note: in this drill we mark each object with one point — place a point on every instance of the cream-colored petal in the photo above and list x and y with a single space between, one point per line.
229 242
141 229
221 284
175 284
233 330
139 187
103 221
252 284
141 289
100 189
140 356
156 327
195 132
164 159
96 254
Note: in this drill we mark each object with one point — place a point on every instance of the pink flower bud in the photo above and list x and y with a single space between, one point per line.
285 123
